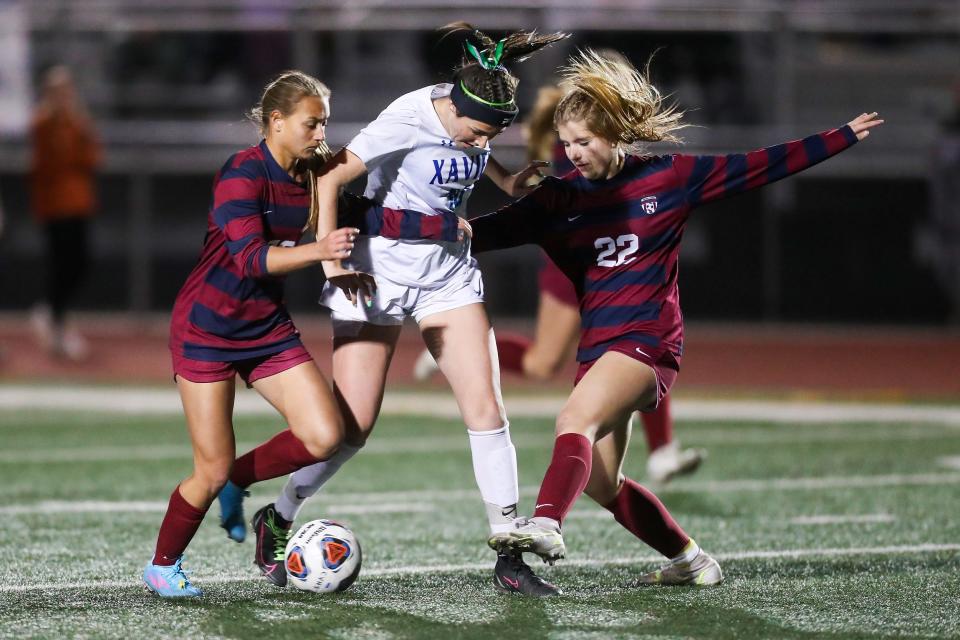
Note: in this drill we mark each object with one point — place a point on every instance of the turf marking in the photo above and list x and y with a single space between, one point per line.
950 462
53 507
390 445
378 572
843 519
166 401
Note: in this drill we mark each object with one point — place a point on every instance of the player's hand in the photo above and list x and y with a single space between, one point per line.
517 184
862 124
356 285
338 244
464 230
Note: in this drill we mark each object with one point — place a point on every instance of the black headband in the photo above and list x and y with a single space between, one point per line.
471 106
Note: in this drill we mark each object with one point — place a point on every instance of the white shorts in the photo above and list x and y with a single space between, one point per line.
414 279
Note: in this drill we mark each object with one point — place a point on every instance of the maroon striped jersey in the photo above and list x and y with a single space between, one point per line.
618 240
230 308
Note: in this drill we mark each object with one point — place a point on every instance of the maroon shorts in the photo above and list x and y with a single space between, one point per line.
664 362
249 370
556 283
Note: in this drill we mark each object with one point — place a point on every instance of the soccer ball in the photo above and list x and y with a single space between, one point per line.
322 556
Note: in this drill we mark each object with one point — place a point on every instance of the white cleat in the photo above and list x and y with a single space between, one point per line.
425 366
666 462
702 571
534 535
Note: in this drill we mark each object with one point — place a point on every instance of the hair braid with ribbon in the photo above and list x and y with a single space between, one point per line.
483 76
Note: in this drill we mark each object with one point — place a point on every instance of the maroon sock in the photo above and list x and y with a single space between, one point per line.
510 349
566 476
278 456
658 426
177 529
642 514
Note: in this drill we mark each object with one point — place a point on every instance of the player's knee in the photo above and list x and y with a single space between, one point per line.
484 416
213 474
573 421
322 439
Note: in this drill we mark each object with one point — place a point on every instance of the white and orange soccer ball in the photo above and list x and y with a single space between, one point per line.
323 556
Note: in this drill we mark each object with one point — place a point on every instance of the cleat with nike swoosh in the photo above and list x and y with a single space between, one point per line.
169 581
534 535
272 533
702 571
513 575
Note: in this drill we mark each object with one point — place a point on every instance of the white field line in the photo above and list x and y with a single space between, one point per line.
377 572
687 486
950 462
868 518
420 501
51 507
392 445
166 401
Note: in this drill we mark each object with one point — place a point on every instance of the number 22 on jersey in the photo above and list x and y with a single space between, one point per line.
628 245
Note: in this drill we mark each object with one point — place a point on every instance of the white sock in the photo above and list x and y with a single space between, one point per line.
495 468
305 482
691 551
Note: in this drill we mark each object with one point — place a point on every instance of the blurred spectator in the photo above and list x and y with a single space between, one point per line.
66 154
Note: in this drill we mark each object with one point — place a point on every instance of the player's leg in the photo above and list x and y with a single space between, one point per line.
208 408
554 343
462 342
362 353
361 357
641 513
555 338
601 402
666 459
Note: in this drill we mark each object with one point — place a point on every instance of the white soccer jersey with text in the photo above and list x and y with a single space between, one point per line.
413 164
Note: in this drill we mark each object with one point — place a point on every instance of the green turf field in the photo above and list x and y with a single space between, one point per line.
841 530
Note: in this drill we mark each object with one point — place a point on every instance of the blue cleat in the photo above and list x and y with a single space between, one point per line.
231 511
169 581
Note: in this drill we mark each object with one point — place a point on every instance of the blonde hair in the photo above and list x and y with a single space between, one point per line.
617 101
282 94
539 129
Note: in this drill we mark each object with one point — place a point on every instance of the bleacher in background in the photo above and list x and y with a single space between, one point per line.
168 82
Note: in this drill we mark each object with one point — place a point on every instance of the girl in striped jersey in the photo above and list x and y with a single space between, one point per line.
614 228
425 151
558 315
229 319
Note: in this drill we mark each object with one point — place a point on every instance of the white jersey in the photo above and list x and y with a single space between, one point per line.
411 161
413 164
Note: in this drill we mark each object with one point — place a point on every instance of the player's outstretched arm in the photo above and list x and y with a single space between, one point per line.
707 178
862 124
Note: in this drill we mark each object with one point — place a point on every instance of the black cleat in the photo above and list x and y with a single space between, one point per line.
513 575
272 533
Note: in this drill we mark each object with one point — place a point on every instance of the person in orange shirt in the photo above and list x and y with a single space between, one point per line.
66 155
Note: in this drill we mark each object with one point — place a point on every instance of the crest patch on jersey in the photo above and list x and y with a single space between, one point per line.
649 204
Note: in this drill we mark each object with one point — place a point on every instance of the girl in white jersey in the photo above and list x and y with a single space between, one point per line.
423 152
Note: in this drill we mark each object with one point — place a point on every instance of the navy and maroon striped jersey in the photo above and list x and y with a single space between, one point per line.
230 308
618 240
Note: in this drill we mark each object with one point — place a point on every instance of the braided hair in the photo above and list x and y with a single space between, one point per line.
483 71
